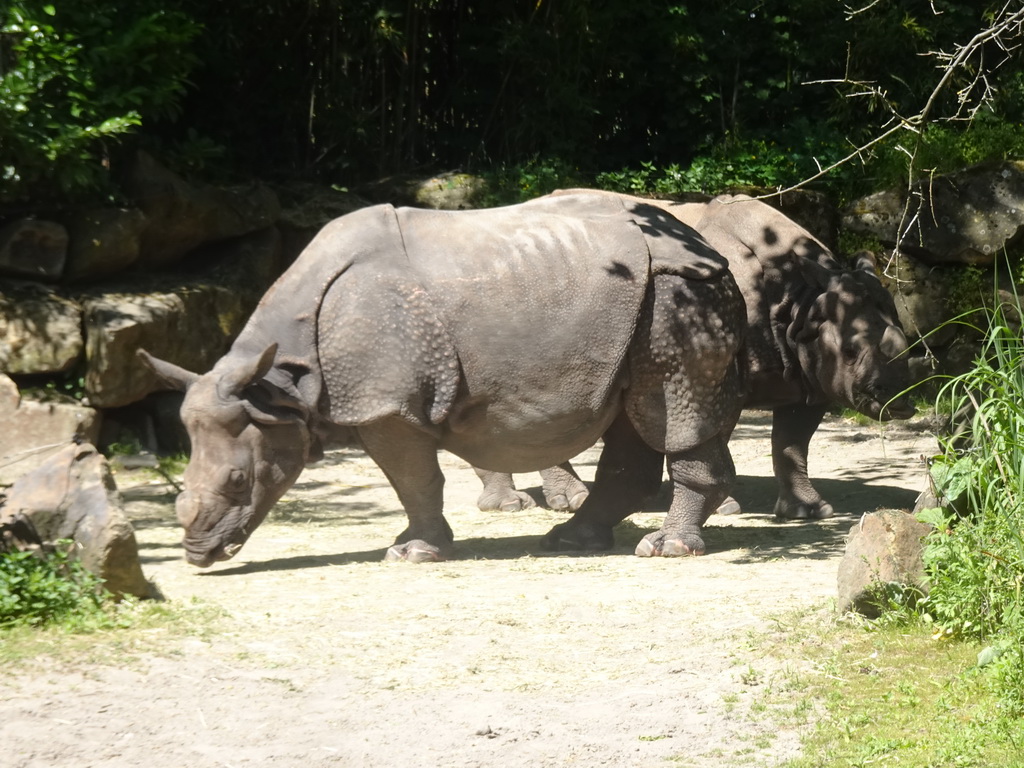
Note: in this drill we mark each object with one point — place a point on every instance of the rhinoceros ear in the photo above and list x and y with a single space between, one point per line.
244 372
815 274
168 373
268 403
894 342
865 262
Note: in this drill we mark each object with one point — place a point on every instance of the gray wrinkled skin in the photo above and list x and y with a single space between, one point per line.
398 325
818 336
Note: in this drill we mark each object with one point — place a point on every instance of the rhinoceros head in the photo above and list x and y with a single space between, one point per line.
851 346
250 441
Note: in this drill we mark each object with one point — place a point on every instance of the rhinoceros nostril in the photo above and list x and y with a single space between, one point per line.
230 550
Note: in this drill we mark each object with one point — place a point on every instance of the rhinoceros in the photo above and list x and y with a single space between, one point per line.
513 337
818 336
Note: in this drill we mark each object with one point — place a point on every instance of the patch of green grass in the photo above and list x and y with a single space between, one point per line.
116 634
896 696
39 588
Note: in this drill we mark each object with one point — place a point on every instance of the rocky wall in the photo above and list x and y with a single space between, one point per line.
179 270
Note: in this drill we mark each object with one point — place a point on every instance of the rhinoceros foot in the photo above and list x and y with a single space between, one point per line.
504 500
570 535
415 551
561 503
798 510
659 544
729 507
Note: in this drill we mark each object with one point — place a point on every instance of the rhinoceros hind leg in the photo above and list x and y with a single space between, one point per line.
563 489
499 493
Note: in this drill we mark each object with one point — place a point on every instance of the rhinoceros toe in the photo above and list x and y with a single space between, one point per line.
729 507
659 544
571 535
415 551
560 502
803 510
505 500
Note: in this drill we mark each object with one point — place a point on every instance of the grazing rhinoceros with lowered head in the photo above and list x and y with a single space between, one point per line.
818 336
397 323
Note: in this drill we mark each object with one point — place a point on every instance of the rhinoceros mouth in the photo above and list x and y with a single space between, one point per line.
204 557
886 409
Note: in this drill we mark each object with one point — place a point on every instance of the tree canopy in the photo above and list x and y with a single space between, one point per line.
344 90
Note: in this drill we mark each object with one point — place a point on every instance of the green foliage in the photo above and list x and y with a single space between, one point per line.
733 94
755 163
975 558
893 695
76 76
349 89
507 185
38 589
940 148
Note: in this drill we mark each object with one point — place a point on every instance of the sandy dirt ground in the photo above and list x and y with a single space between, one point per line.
506 656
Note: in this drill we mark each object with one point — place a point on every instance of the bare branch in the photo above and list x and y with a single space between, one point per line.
1005 32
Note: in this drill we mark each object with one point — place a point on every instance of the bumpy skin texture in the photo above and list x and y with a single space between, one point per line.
396 324
818 336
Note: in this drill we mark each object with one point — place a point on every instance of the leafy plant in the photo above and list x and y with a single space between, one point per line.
975 558
76 76
40 588
518 183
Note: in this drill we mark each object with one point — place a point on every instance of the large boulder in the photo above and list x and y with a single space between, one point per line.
103 241
451 191
33 248
921 293
883 551
73 496
33 430
40 331
306 209
814 211
966 217
182 216
191 323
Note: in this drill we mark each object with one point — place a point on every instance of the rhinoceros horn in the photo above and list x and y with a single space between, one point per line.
169 374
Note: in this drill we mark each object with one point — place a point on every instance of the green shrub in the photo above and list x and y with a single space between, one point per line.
76 76
37 589
511 184
975 557
757 162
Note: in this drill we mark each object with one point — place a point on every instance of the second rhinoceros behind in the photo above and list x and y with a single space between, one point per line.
622 322
818 336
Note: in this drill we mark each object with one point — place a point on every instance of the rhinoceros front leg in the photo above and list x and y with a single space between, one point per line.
628 474
792 429
408 457
701 479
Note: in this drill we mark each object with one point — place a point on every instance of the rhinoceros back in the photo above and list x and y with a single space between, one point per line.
540 307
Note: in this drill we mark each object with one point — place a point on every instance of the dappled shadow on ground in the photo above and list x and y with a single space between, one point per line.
749 541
